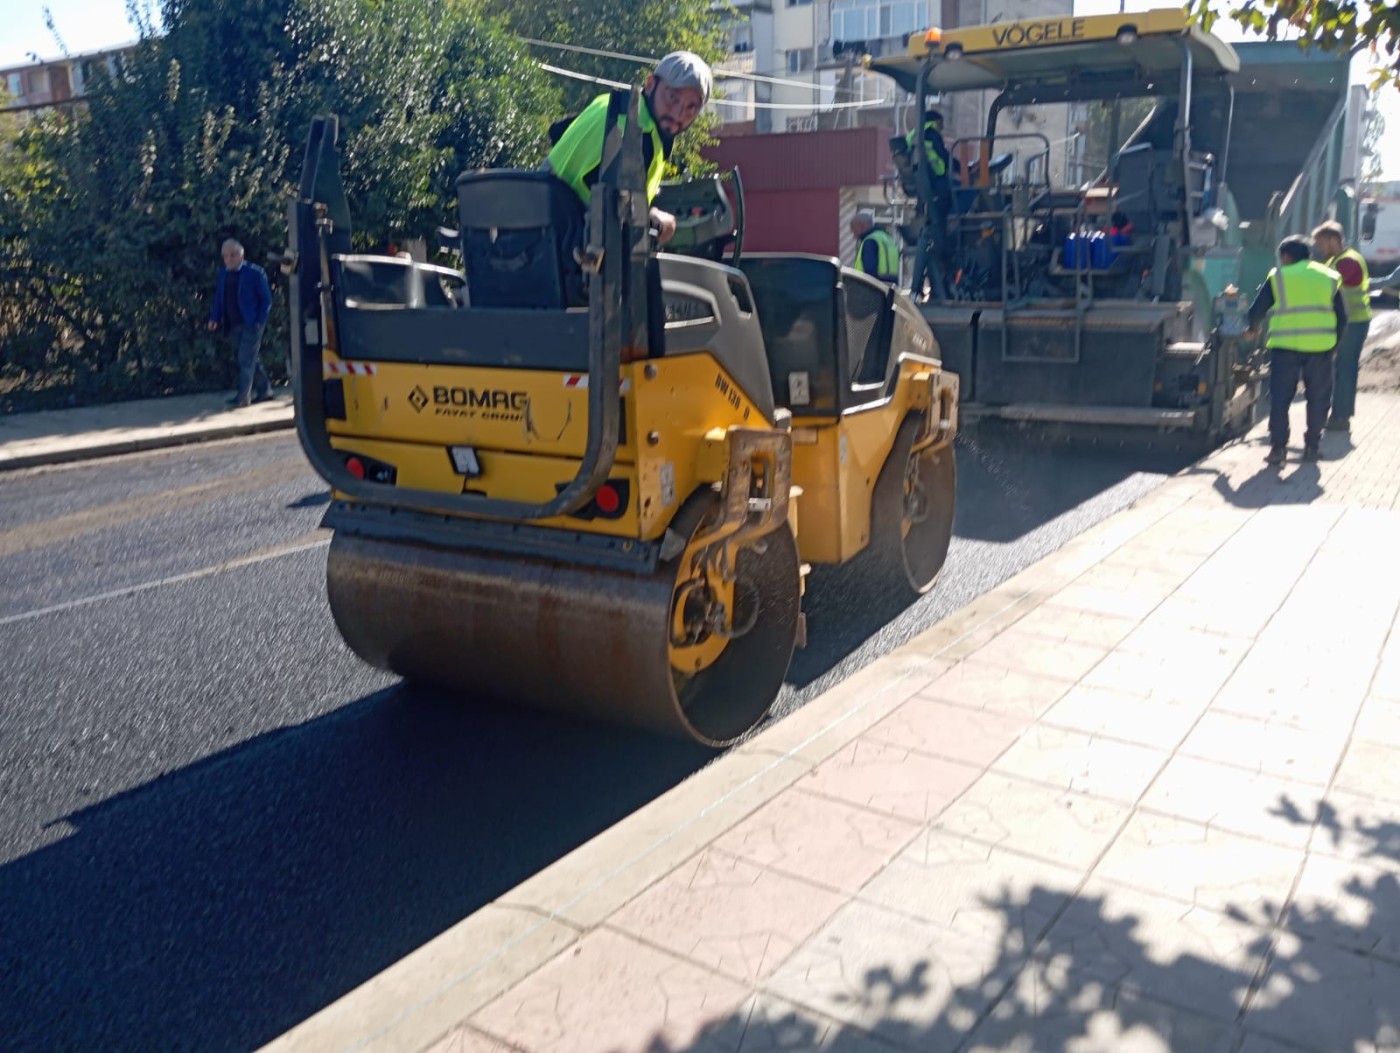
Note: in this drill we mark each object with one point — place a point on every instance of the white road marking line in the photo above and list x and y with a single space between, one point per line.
176 579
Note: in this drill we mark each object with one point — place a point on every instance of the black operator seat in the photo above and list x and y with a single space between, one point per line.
519 229
795 296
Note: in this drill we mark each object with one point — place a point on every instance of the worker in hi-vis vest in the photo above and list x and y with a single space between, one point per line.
673 97
1302 302
1356 296
877 253
931 257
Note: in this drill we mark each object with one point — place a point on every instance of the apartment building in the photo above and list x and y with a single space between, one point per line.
46 83
808 58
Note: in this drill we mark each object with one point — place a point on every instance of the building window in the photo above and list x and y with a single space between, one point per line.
799 60
798 3
14 86
873 19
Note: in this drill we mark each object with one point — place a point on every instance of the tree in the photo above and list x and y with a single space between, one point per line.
110 220
1327 24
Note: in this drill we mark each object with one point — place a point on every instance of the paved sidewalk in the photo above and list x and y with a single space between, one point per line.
58 436
1143 796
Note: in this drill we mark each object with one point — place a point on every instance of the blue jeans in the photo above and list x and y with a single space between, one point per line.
1286 368
248 341
1348 366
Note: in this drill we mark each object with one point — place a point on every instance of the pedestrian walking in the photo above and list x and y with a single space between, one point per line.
242 300
1302 302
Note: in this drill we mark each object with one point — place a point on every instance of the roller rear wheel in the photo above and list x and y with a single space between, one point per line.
911 515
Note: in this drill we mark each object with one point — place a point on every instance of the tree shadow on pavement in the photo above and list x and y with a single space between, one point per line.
1113 969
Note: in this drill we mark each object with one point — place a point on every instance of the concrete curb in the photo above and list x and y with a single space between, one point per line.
140 443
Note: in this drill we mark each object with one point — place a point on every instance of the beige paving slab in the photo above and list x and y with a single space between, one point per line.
465 1039
974 888
1031 653
1328 999
1103 600
973 736
1245 802
822 840
1321 707
915 985
1387 680
1282 750
1161 723
1349 904
611 993
1167 856
1070 829
838 717
1371 769
1161 675
1047 1009
1356 827
771 1024
1073 760
891 779
997 689
727 914
1176 953
1062 623
1379 721
1184 645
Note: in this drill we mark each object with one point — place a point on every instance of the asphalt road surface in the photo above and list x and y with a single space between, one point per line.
214 820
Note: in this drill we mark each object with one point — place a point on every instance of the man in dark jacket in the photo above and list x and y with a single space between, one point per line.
242 301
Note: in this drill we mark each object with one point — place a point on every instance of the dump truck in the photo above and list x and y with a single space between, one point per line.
590 505
1111 304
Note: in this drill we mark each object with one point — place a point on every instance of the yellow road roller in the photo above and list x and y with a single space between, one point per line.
568 475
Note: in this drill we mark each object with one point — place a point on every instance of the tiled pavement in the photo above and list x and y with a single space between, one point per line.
1143 796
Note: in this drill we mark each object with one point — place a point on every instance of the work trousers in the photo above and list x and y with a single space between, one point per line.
930 257
1286 368
247 339
1348 366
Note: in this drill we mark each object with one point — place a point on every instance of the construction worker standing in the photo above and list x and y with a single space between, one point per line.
1302 300
673 97
929 258
877 253
1356 295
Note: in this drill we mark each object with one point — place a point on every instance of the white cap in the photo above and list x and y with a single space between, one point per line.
685 69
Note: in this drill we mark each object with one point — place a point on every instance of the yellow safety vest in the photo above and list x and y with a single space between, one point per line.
936 165
889 255
579 150
1302 318
1356 299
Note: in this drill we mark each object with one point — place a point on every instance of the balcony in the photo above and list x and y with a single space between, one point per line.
736 62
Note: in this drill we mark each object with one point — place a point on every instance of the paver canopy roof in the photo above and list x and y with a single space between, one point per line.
1058 50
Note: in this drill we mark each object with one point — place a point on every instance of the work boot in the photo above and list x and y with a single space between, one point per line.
1342 424
238 403
1311 452
1276 455
266 396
